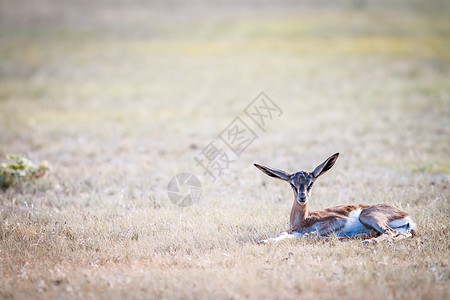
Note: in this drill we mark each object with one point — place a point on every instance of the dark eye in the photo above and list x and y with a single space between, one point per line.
293 186
310 186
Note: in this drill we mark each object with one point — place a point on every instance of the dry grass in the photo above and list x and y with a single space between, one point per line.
120 98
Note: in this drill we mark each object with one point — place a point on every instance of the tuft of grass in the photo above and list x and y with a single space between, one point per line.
19 170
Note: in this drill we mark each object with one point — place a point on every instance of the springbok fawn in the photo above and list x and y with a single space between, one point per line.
383 221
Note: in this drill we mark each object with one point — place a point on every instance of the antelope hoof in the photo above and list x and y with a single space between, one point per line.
263 242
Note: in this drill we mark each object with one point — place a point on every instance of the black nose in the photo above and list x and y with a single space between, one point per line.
301 199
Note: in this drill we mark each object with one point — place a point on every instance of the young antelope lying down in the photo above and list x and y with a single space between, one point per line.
383 220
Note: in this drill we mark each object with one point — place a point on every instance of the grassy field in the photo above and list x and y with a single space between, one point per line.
120 96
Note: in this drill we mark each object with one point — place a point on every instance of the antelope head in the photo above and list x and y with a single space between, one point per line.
301 182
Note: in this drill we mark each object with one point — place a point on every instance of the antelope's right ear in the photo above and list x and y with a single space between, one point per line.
280 174
325 166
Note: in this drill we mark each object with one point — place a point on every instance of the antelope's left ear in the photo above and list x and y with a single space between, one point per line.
325 166
280 174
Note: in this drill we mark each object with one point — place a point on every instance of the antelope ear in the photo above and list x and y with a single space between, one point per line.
280 174
325 166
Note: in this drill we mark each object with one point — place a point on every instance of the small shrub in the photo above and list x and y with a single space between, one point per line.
19 170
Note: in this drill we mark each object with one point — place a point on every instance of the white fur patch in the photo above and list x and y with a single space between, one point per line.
399 223
403 225
353 225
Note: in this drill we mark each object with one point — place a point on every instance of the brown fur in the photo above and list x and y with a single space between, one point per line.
387 211
302 218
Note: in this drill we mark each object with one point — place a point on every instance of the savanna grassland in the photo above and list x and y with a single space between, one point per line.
119 96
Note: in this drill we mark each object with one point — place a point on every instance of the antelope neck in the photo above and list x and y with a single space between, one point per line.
298 215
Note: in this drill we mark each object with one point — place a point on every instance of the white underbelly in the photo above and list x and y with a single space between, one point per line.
353 225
